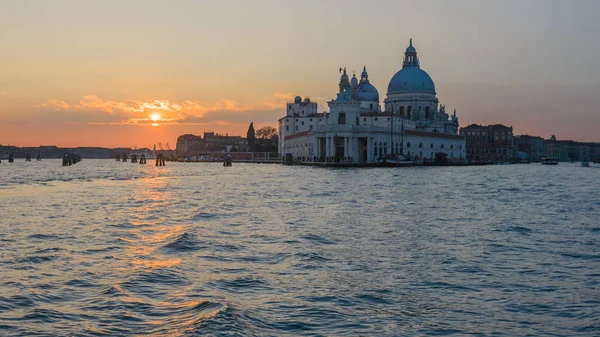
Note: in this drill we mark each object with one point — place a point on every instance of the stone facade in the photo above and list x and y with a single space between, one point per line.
356 130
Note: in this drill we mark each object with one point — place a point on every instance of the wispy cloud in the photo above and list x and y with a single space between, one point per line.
221 112
55 104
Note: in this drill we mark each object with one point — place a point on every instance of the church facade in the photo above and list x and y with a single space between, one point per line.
357 129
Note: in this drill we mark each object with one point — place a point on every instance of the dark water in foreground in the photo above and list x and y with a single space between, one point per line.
107 248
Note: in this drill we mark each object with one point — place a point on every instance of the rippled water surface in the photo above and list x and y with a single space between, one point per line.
108 248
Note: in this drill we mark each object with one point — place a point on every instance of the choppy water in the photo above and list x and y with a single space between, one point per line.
107 248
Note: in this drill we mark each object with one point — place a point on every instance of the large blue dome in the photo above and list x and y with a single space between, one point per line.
365 91
411 79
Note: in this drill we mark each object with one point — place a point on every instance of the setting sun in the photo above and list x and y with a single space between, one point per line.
155 117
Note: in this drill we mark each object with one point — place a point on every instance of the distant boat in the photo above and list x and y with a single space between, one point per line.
550 161
393 160
585 164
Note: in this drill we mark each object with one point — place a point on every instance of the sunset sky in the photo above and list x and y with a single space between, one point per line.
92 73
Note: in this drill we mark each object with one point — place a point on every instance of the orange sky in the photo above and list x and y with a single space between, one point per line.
91 73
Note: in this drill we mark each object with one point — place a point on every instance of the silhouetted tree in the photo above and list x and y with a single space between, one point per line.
267 138
250 135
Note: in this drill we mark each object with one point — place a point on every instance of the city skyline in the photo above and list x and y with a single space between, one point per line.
140 73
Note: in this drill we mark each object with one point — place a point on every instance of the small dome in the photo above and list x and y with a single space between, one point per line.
297 99
411 79
365 91
353 81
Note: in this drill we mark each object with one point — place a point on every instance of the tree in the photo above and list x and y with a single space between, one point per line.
250 135
267 138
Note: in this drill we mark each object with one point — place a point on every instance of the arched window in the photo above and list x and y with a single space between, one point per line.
442 146
431 145
420 145
408 111
426 112
371 106
402 111
342 118
408 144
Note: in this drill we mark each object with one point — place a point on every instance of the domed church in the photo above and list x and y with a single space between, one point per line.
356 130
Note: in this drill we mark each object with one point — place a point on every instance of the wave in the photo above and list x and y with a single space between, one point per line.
317 239
184 243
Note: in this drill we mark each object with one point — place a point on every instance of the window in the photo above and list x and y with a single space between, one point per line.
319 119
296 127
311 119
408 144
371 106
426 112
408 111
364 119
451 147
388 118
342 118
302 122
402 111
442 146
431 145
376 119
420 146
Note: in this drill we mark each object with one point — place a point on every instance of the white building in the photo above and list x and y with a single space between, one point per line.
357 130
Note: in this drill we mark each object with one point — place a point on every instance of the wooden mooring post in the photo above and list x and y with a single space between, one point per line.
134 158
39 157
28 157
71 159
143 159
11 158
160 160
124 158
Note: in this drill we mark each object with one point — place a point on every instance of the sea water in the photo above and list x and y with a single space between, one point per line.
190 249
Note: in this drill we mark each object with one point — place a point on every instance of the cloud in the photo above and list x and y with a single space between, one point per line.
2 93
56 104
279 99
93 110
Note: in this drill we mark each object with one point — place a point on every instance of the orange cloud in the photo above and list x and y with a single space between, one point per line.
187 112
56 104
280 99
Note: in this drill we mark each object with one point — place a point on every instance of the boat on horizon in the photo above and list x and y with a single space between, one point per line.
549 161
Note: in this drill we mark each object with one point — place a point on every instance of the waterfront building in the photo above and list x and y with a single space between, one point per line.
189 145
215 142
531 146
489 143
569 150
357 130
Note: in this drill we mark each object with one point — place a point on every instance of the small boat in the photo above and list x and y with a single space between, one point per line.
550 161
393 160
585 164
